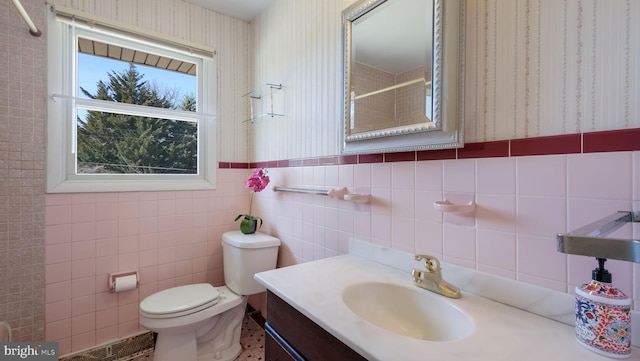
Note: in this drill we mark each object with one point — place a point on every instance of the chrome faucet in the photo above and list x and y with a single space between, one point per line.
431 279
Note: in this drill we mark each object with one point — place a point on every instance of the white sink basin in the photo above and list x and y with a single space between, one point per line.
409 312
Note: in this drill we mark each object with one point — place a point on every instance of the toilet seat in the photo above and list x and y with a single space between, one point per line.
179 301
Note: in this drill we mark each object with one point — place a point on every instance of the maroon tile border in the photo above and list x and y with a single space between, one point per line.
605 141
612 141
400 157
233 165
269 164
558 144
371 158
348 159
484 150
438 154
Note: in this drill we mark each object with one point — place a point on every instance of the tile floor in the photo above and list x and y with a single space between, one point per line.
252 341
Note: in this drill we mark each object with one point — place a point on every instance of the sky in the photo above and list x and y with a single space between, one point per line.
92 69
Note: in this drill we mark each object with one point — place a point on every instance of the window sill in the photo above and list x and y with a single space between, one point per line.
85 186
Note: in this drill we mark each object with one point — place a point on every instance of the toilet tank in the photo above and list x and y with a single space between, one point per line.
245 255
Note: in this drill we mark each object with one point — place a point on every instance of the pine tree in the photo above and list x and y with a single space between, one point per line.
117 143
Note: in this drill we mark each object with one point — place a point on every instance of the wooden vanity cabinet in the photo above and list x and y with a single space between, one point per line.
277 349
290 335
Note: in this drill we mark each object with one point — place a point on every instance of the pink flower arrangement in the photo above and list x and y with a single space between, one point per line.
257 182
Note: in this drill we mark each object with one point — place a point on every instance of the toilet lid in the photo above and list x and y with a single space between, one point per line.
180 299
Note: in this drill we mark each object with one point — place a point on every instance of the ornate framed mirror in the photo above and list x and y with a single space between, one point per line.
403 75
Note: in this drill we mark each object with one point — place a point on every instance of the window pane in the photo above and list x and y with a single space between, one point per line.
115 73
110 143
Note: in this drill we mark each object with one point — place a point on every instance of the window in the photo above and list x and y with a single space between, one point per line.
127 113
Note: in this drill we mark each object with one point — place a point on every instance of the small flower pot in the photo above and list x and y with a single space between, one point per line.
249 226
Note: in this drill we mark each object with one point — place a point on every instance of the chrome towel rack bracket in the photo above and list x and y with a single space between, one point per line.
613 237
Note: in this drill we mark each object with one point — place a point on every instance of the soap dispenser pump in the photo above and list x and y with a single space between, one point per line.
603 315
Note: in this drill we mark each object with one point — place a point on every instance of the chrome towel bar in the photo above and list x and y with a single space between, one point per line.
339 193
331 192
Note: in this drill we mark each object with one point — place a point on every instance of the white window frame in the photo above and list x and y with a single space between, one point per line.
61 126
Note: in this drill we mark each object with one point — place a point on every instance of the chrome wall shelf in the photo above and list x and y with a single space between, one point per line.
614 237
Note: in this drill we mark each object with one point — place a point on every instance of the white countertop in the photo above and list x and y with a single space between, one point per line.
501 332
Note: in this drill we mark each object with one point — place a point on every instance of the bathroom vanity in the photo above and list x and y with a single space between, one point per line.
290 335
348 308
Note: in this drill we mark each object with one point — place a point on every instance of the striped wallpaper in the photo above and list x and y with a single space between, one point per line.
298 43
533 68
547 67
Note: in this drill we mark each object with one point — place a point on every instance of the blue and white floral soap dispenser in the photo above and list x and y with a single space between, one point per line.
603 315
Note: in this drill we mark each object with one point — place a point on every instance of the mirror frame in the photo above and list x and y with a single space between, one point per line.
447 87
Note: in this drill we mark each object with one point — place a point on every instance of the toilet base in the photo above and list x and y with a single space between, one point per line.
213 339
187 349
225 345
175 347
229 354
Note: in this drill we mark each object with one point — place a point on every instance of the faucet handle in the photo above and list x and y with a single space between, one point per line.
431 263
417 275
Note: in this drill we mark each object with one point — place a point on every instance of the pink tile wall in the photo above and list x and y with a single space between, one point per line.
172 238
522 203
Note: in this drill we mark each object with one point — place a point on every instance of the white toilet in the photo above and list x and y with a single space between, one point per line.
202 322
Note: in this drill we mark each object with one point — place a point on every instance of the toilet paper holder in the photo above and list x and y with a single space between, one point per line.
114 276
